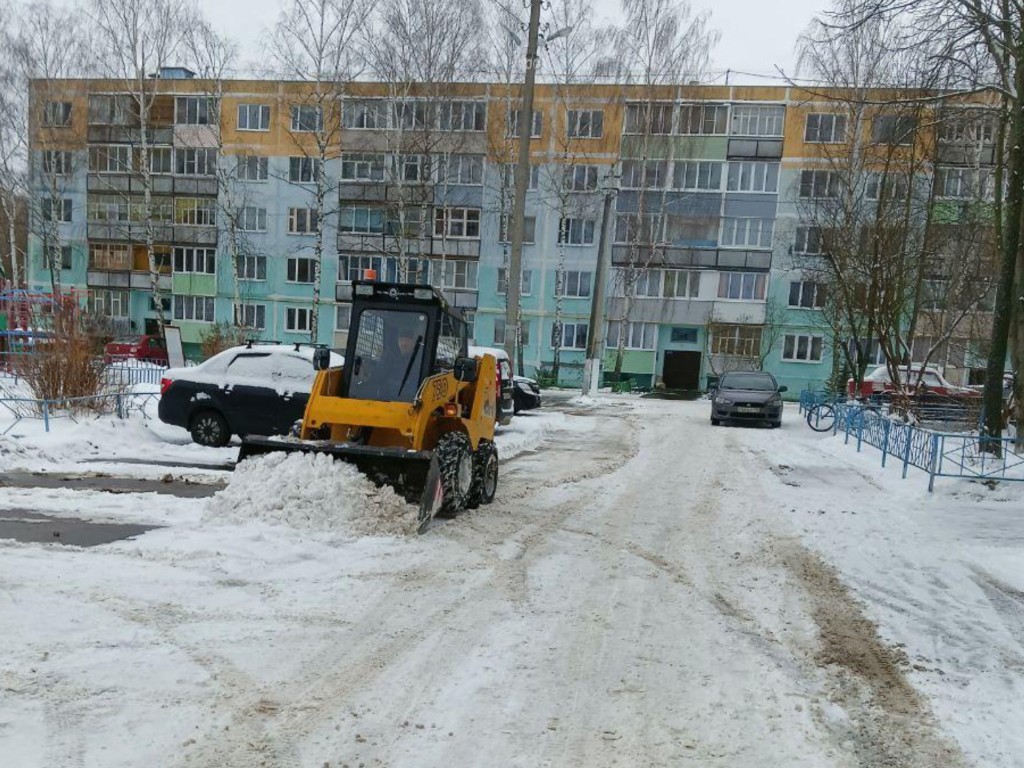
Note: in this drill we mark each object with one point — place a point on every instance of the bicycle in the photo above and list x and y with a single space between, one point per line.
821 417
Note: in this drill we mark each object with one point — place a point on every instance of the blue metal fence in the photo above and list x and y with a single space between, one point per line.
120 405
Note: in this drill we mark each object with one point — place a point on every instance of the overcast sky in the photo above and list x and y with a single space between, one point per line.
757 35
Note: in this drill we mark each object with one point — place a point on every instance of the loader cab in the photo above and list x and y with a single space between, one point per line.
399 335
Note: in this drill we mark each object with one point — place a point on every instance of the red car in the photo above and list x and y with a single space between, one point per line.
150 349
929 382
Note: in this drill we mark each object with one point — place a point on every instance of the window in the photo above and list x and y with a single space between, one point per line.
747 232
111 110
650 119
251 267
639 174
525 282
576 231
499 332
109 256
680 335
254 117
251 168
965 128
362 167
802 347
749 286
736 340
252 316
411 115
196 261
302 221
753 177
115 158
57 254
405 222
696 175
964 183
635 335
361 219
638 228
456 273
463 116
680 284
198 308
197 211
808 240
354 267
825 129
572 336
193 110
457 222
161 160
585 123
57 162
298 319
342 317
409 168
461 169
890 129
55 210
512 124
529 229
806 295
573 284
252 219
647 284
819 185
307 119
508 177
195 162
365 115
703 119
108 303
300 270
934 294
57 114
581 178
303 170
895 187
759 120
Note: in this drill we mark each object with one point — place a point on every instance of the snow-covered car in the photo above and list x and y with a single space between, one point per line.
257 389
505 405
526 393
912 379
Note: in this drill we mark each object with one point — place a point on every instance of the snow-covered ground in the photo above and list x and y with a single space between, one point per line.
646 590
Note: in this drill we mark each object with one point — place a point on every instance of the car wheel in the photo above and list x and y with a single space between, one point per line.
210 428
455 462
775 424
715 422
485 475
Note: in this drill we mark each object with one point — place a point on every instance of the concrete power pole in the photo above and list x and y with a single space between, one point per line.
514 281
595 333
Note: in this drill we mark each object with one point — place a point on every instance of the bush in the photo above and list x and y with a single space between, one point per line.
66 363
219 337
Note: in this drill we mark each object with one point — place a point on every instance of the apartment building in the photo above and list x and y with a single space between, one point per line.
245 181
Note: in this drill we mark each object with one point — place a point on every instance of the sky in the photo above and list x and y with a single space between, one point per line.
757 36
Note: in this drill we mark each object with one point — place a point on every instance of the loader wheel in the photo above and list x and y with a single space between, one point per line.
209 428
455 462
485 475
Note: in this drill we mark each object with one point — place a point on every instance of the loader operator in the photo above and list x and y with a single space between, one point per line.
397 372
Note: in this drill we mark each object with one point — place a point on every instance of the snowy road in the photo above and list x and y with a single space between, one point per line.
646 591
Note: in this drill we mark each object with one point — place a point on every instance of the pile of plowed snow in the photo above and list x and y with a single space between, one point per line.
311 492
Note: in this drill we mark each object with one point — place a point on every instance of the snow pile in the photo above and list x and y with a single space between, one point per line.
311 492
526 432
583 400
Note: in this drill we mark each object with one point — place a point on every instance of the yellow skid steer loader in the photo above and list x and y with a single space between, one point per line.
409 408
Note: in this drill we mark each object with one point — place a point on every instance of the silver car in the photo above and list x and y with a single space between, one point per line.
747 396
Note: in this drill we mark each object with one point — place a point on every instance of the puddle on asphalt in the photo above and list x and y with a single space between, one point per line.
99 481
35 528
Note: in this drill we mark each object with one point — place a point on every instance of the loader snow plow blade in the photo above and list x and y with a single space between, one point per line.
414 475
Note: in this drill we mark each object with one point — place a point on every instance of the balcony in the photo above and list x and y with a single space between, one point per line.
162 184
414 246
126 134
100 278
755 149
680 257
132 231
187 234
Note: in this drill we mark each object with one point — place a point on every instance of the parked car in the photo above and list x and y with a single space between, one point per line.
505 405
148 348
258 389
526 393
929 381
747 396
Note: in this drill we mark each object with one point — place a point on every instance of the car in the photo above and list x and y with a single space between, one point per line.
147 348
505 405
914 378
526 393
747 396
254 389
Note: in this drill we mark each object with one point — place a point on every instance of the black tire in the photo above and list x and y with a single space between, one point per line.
775 424
455 462
821 418
715 422
209 428
485 475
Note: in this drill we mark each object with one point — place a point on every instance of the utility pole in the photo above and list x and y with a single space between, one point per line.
514 276
595 333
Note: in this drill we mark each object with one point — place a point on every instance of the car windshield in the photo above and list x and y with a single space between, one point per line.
128 340
389 351
757 382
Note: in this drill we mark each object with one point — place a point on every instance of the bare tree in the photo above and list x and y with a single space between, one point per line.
316 41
